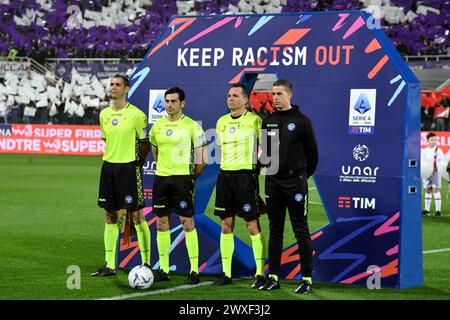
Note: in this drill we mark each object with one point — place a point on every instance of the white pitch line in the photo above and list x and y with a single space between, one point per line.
148 293
179 288
437 250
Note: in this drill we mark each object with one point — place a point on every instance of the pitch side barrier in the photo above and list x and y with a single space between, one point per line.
364 103
51 139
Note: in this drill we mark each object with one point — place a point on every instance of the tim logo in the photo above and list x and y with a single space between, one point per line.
346 202
148 194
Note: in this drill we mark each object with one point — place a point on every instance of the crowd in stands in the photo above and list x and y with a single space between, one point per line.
261 103
65 29
41 99
126 28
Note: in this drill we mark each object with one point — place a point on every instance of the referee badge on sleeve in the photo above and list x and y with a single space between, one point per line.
145 132
202 139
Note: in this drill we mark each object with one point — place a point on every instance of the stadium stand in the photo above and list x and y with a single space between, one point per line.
43 98
101 29
45 29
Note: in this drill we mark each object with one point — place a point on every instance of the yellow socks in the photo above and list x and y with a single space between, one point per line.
163 242
192 249
110 238
226 251
143 235
258 253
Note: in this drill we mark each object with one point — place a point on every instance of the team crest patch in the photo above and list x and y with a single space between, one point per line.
202 139
232 130
169 132
128 199
145 132
114 122
291 126
247 207
298 197
183 204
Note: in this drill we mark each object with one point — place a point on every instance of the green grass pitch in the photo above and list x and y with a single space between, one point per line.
50 221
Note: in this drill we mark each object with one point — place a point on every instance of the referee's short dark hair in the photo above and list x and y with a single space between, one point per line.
126 82
244 89
431 135
180 92
283 83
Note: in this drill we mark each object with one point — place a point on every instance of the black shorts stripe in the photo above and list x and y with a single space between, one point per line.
140 189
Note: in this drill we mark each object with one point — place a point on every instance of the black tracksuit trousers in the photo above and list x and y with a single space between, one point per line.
291 193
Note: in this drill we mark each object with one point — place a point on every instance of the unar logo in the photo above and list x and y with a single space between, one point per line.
357 174
358 171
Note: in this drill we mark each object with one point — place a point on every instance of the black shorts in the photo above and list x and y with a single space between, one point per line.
237 192
173 193
121 186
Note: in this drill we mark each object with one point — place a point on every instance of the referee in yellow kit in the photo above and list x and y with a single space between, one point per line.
237 187
179 149
124 129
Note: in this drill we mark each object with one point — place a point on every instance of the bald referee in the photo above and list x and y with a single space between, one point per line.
124 129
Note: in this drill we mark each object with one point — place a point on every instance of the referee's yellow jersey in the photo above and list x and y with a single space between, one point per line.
238 139
175 141
122 130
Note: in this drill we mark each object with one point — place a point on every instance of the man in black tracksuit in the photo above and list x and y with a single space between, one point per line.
291 132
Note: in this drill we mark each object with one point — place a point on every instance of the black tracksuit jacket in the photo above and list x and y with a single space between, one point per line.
298 154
